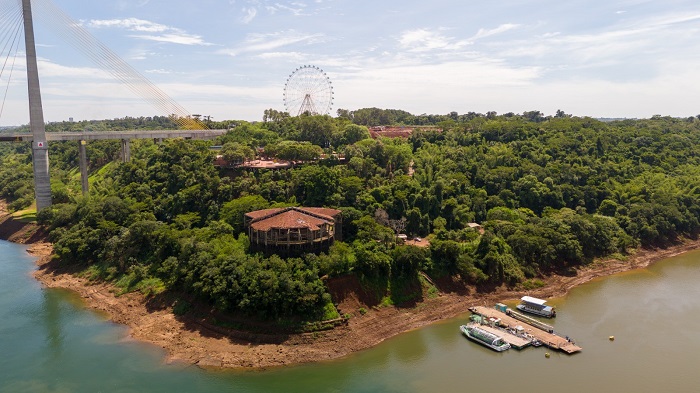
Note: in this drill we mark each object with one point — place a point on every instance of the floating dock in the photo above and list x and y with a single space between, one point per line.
530 321
545 337
514 341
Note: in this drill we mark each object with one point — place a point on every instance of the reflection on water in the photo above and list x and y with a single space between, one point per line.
52 314
50 343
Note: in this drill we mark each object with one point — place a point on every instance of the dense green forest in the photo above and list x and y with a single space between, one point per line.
551 192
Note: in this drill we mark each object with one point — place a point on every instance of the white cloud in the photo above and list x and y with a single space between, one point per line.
159 32
423 40
297 9
158 71
182 39
483 85
272 41
140 54
250 14
48 69
131 24
629 48
483 33
295 56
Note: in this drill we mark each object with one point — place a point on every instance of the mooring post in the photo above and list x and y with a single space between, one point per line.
40 149
83 167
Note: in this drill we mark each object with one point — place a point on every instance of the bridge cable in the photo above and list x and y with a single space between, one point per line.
9 78
80 39
72 32
11 42
14 24
9 21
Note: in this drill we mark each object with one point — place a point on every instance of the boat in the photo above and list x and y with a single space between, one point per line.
536 306
481 336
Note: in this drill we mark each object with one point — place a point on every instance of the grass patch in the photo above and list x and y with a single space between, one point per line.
150 286
134 281
532 284
618 256
330 312
26 215
386 302
99 272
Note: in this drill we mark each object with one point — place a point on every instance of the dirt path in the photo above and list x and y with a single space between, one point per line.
207 345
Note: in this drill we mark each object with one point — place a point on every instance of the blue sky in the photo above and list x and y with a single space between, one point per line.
230 58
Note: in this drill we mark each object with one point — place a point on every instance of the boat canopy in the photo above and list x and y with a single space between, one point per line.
533 300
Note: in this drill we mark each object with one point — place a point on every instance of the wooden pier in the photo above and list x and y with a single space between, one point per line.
514 341
549 339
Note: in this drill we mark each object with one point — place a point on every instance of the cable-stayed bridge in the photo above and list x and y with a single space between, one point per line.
17 14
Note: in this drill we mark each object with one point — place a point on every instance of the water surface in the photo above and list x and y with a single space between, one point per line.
50 343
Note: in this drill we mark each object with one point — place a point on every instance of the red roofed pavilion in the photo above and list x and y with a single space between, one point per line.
293 230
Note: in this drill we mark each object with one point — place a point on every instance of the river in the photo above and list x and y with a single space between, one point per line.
50 343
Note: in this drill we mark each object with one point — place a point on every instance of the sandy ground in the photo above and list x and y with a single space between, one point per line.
197 341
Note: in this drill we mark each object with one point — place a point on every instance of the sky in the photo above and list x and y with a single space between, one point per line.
230 59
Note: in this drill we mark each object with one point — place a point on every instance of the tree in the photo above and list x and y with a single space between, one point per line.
534 116
317 129
561 114
372 260
315 185
232 212
398 225
353 133
271 115
294 151
236 153
408 260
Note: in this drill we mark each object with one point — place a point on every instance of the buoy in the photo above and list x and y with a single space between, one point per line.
546 355
611 338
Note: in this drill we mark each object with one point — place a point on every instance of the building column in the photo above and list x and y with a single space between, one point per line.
83 167
126 151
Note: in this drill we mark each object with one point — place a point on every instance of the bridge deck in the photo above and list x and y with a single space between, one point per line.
134 134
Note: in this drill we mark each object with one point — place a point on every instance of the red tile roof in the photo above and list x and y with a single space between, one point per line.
322 211
263 213
291 217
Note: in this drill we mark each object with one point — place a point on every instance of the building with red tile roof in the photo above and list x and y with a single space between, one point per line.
293 230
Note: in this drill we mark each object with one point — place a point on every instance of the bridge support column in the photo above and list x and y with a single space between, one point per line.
40 152
42 180
158 141
126 151
83 167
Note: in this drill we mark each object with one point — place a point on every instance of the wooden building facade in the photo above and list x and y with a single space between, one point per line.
293 230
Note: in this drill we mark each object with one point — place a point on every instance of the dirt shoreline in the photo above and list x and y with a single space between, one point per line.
196 341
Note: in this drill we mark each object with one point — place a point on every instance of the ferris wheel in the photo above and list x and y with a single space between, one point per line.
308 90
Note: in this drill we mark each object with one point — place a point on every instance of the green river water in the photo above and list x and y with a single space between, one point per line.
50 343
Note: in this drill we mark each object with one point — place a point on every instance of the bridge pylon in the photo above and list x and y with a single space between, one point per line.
40 148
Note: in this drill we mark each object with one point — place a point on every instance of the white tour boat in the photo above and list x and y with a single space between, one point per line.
536 306
488 339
